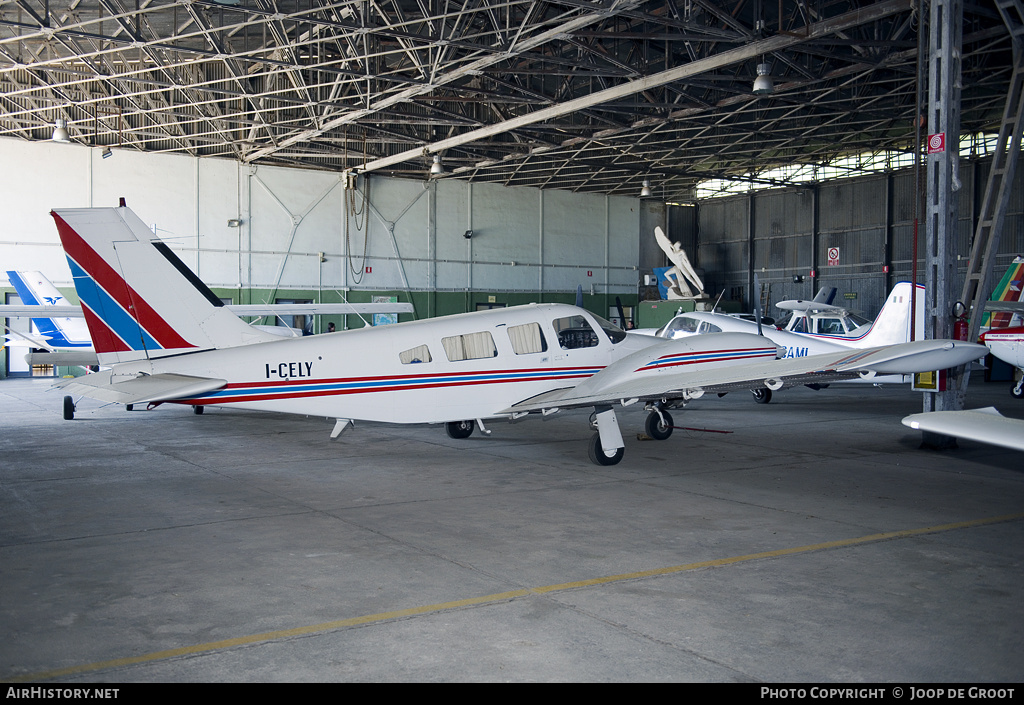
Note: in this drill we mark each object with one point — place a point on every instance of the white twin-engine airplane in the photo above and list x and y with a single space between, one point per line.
168 339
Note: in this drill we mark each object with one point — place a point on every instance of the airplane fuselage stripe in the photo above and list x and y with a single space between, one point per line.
289 389
694 358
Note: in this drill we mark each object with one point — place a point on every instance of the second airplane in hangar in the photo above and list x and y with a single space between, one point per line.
814 328
168 339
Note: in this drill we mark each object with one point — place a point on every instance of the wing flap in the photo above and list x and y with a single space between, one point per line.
143 389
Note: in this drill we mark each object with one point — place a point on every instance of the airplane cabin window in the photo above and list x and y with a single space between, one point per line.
471 346
421 353
831 326
527 339
574 332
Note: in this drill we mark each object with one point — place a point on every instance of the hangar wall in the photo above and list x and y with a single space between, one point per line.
783 233
304 236
407 237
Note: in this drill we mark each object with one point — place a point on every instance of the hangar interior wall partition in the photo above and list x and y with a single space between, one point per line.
786 233
254 233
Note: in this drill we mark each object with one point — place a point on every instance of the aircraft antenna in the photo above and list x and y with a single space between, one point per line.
718 301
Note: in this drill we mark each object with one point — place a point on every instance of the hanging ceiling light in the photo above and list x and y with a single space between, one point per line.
763 83
60 131
645 192
437 168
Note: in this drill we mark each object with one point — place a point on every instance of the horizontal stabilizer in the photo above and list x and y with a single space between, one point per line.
143 389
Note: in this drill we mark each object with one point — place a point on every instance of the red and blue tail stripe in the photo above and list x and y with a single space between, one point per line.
119 318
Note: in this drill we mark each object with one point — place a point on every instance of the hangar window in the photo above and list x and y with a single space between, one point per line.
574 332
527 338
418 354
472 346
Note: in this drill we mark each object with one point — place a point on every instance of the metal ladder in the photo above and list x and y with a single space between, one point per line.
977 284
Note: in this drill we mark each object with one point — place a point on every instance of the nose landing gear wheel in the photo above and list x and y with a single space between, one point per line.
459 429
598 456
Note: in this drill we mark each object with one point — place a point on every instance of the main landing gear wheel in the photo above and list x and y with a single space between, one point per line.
69 408
197 410
598 455
658 426
459 429
762 395
1017 390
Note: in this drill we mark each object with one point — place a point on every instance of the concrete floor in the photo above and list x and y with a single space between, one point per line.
813 543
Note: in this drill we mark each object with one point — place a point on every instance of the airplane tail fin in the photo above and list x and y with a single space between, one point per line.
36 290
892 325
140 301
825 295
1009 288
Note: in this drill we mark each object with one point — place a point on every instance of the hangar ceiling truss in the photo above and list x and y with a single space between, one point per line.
584 95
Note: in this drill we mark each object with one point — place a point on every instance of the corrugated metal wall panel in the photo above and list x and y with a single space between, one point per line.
852 216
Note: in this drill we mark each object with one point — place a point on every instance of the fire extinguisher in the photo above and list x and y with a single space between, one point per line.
960 321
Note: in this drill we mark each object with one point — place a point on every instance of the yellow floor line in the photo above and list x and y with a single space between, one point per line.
498 597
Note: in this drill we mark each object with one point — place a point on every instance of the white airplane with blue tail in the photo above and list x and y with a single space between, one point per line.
815 329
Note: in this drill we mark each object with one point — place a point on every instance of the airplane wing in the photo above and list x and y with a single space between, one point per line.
985 425
72 358
1015 306
801 305
624 381
38 311
310 309
142 389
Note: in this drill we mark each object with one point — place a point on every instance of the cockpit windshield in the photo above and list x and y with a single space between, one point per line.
680 325
614 333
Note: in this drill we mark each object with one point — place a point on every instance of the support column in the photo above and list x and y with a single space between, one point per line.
945 25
